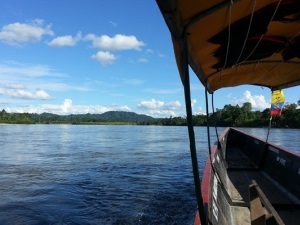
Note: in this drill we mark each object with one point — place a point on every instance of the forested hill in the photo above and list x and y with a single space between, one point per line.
124 116
49 118
111 116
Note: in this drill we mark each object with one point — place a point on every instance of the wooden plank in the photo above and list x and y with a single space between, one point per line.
268 205
257 200
257 212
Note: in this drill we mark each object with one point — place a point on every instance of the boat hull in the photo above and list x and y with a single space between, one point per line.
250 181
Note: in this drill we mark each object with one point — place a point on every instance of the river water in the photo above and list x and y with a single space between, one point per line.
76 174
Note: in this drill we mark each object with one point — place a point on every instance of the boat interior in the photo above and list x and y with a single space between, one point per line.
253 182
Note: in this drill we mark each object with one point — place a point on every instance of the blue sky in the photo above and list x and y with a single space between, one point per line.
84 56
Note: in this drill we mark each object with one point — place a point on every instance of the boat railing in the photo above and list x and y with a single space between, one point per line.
261 210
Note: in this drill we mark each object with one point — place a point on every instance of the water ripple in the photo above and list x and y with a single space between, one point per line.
63 174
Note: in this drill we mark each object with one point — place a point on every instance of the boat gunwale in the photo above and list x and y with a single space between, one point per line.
268 143
207 172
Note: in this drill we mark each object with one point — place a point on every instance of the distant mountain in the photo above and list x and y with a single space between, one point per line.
125 116
111 116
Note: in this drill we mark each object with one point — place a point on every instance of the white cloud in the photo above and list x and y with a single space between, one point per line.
152 104
19 33
258 102
66 40
22 93
173 105
162 109
104 57
66 105
158 108
67 108
156 104
116 43
162 113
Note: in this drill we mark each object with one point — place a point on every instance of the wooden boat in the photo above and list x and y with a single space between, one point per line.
246 180
254 182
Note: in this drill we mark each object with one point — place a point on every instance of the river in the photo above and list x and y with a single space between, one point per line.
77 174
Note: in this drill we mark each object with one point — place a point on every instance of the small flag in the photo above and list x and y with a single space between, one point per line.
277 103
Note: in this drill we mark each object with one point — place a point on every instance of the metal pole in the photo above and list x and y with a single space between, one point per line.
189 114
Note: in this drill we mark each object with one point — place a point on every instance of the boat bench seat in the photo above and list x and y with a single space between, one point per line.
237 180
261 210
239 192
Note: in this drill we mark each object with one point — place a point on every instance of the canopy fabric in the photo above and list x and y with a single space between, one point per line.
231 43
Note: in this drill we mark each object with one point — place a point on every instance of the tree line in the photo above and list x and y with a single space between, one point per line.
16 118
237 116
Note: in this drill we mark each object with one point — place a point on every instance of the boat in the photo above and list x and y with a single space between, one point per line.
228 43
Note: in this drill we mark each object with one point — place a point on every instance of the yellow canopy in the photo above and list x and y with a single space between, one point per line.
232 43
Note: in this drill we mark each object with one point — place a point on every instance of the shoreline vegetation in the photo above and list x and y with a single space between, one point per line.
234 116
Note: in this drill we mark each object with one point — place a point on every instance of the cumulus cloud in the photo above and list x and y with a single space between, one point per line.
22 93
104 57
152 104
158 108
258 102
66 40
116 43
173 105
20 33
162 113
67 108
66 105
